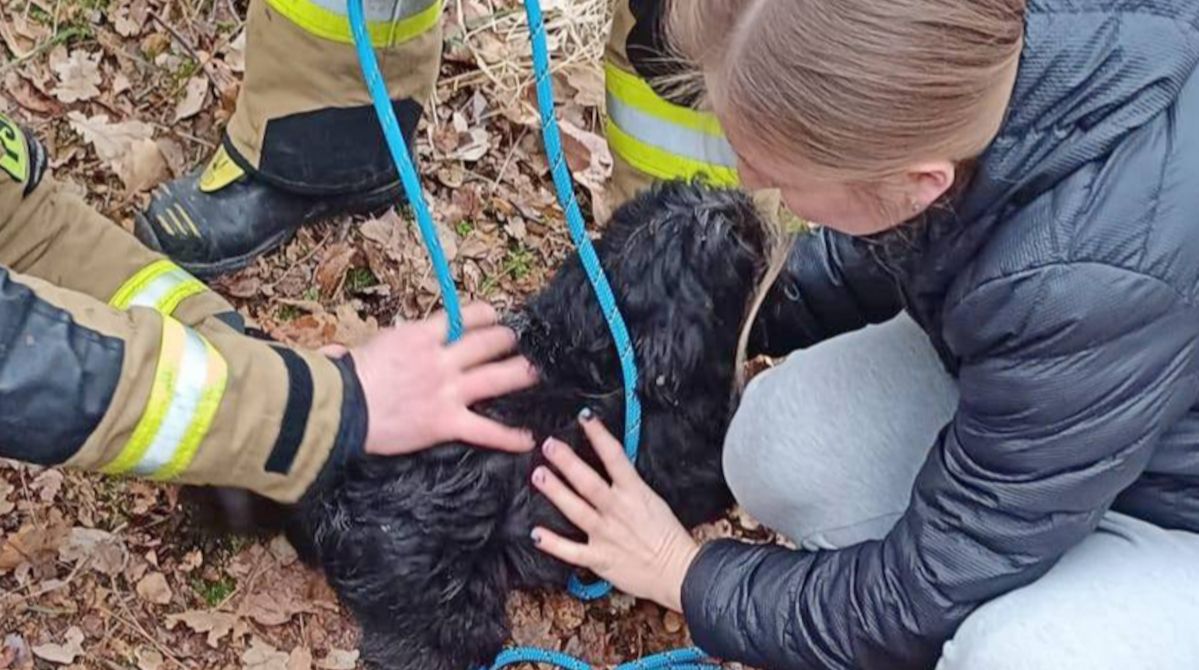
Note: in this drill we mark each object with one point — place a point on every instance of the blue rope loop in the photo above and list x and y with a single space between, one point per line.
679 659
682 659
403 161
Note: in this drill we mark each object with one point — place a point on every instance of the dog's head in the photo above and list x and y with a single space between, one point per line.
685 261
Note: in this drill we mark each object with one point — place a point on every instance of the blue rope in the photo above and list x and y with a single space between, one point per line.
681 659
591 263
403 162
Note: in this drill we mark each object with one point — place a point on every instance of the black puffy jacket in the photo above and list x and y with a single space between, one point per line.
1062 294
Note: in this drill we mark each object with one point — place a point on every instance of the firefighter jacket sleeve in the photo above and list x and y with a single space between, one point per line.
137 393
142 374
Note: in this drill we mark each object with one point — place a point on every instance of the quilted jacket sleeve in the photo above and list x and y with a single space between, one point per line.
830 285
1070 375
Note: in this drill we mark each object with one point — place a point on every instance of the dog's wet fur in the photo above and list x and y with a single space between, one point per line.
425 549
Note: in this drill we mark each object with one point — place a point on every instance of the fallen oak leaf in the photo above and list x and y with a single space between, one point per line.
125 146
262 656
153 588
31 544
273 608
106 551
339 659
216 624
78 76
194 97
64 653
142 167
300 658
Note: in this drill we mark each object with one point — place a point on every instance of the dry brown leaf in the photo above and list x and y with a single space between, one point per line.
129 20
47 485
27 95
300 658
588 156
142 167
273 608
153 588
6 490
191 560
352 330
110 140
216 624
339 659
106 551
282 550
78 77
64 653
149 659
16 654
32 544
588 83
235 53
331 272
194 97
262 656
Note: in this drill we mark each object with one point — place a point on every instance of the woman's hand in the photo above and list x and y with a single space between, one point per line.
633 539
419 390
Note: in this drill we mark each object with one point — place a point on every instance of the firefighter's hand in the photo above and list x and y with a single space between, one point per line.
419 390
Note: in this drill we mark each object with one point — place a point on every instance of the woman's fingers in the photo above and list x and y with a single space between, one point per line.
497 379
609 449
481 345
576 510
561 548
582 478
484 432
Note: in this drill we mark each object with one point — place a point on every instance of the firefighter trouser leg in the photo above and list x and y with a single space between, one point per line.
112 359
304 120
652 137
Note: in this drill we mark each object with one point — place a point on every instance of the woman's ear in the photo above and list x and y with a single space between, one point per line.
927 182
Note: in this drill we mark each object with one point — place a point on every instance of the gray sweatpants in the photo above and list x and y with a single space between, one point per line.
825 449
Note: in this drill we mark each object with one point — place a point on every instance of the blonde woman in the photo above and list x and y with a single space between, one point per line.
986 441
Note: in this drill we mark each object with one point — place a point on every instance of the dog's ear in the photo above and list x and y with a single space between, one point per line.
684 260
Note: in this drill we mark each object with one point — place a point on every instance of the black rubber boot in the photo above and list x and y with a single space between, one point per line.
212 233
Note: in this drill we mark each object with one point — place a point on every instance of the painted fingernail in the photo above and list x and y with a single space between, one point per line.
586 414
539 476
548 447
536 537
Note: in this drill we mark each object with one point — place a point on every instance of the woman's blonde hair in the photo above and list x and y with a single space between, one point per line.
857 91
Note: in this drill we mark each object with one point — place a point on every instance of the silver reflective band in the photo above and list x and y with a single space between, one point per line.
669 137
187 396
156 292
379 11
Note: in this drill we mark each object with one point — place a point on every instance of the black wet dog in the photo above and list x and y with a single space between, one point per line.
425 549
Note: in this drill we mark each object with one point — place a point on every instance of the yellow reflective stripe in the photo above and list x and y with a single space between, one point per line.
186 218
173 340
161 286
205 412
635 92
189 382
330 25
220 172
662 164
